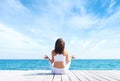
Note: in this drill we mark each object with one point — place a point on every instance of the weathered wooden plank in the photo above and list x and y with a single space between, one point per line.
35 75
95 76
100 74
57 78
110 74
116 72
65 77
88 76
48 77
80 77
72 77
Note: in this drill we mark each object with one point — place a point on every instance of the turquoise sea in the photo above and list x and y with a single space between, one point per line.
78 64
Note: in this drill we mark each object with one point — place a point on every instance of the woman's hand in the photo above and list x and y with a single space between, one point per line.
72 57
46 57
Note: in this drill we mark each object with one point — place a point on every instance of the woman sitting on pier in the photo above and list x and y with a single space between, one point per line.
60 60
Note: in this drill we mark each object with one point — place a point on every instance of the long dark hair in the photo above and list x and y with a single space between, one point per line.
59 46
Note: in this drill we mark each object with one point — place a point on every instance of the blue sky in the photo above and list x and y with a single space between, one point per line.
29 28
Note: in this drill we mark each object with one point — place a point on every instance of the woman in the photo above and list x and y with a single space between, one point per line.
60 60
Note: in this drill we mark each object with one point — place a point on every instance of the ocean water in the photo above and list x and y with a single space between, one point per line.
86 64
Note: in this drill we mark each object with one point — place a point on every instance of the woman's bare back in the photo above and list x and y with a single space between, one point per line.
60 64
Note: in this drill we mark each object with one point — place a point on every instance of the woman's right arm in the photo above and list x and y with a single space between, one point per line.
52 59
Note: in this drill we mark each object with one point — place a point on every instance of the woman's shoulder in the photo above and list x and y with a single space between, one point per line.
53 52
65 52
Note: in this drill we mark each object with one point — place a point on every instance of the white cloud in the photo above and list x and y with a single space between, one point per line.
82 22
15 4
12 39
112 3
86 44
11 9
98 45
16 45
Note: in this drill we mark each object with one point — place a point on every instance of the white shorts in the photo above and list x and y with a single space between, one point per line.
60 70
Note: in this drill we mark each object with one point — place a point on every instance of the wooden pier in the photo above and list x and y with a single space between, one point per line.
73 75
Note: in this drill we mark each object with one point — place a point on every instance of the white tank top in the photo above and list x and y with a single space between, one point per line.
59 58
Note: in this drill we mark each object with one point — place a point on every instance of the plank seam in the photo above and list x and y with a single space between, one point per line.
100 76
